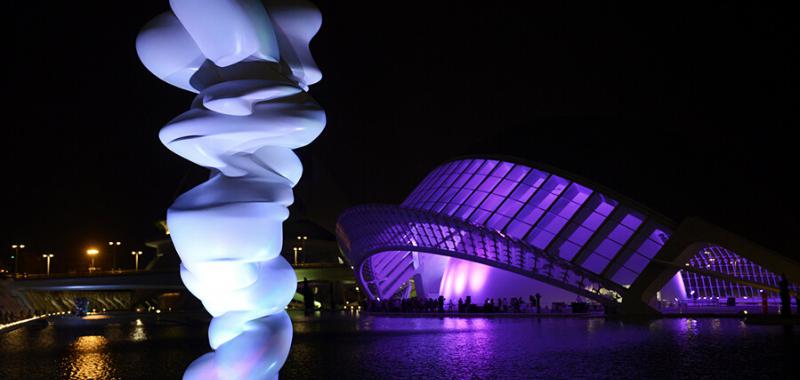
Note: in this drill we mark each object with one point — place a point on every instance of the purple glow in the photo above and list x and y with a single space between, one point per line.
720 259
464 278
545 226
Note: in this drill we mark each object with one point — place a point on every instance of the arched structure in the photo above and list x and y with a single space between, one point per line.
532 220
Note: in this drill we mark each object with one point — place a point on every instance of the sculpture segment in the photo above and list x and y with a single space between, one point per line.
250 66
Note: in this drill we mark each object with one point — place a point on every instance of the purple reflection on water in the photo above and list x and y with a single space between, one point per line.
551 348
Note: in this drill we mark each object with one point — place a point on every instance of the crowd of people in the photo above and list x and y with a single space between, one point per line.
462 305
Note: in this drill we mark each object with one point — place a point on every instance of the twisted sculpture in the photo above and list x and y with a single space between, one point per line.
250 66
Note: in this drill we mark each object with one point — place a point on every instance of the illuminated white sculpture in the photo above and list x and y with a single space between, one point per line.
250 66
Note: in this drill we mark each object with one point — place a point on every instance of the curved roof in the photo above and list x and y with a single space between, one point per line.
557 213
367 233
591 233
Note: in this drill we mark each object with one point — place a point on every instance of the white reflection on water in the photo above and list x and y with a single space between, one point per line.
138 332
256 354
595 324
688 326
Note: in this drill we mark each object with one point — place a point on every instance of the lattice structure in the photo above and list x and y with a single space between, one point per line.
539 222
547 226
719 259
563 217
382 228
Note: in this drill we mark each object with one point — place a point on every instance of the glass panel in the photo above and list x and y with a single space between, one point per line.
568 250
476 198
596 263
489 183
535 178
518 173
523 192
464 211
649 248
530 213
540 238
620 234
509 207
660 236
462 179
608 248
479 216
636 263
505 187
577 193
624 277
473 182
502 169
606 208
581 235
449 194
473 166
631 221
555 185
491 202
438 207
487 167
594 221
461 196
497 222
517 229
437 194
541 200
552 223
462 165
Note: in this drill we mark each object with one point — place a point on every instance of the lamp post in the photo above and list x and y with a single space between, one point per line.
136 254
92 252
296 249
16 247
48 256
114 245
302 239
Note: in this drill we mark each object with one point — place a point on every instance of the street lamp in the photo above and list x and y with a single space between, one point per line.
302 239
136 254
92 252
114 245
16 247
48 256
296 249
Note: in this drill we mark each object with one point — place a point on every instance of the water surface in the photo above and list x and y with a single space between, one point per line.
433 348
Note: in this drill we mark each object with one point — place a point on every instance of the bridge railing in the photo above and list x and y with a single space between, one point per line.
75 274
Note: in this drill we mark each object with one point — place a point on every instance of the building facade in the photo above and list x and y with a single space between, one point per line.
500 227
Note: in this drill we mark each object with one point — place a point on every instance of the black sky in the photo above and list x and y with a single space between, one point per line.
690 109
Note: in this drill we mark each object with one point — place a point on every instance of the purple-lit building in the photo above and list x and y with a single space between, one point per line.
490 227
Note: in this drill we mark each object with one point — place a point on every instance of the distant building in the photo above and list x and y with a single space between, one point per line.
491 227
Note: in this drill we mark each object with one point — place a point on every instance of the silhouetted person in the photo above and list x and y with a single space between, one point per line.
797 303
308 297
786 300
538 303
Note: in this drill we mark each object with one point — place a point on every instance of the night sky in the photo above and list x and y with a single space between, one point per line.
687 109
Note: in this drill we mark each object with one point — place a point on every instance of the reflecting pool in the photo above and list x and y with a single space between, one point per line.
436 348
